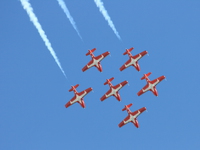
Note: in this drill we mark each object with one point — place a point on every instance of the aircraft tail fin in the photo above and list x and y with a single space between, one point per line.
73 88
90 51
146 76
128 51
127 107
108 80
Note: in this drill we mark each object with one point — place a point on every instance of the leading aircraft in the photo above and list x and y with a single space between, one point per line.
78 97
133 60
132 116
114 90
151 85
95 60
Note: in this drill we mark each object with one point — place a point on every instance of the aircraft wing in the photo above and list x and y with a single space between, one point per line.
102 56
108 94
120 85
125 121
86 67
159 79
69 103
85 92
143 90
139 56
139 111
126 65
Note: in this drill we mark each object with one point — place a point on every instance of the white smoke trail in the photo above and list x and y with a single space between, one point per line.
102 9
27 6
67 13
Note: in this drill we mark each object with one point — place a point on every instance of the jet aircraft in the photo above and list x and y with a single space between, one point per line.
78 97
133 60
114 90
132 116
151 85
95 60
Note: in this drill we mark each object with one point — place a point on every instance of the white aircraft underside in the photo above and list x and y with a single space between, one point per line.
151 86
133 61
78 98
114 91
132 118
95 62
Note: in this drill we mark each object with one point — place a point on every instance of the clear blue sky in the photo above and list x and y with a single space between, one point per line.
33 90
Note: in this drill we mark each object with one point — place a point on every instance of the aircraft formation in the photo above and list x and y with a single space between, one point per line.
95 62
114 90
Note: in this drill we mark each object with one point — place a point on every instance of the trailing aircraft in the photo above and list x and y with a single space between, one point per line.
78 97
133 60
95 60
132 116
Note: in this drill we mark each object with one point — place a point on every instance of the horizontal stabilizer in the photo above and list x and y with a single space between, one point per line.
146 75
127 107
73 87
128 50
90 51
108 80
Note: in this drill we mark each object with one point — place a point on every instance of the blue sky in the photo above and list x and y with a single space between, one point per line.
34 90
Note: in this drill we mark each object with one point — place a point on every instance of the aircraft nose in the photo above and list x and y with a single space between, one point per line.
137 67
118 98
136 123
155 93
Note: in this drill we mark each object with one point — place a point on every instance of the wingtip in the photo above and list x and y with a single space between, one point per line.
103 98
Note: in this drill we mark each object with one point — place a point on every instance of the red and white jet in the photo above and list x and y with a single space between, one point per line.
113 91
132 116
95 60
78 97
133 60
151 85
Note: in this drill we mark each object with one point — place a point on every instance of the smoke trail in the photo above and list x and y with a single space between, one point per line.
27 6
102 9
66 11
